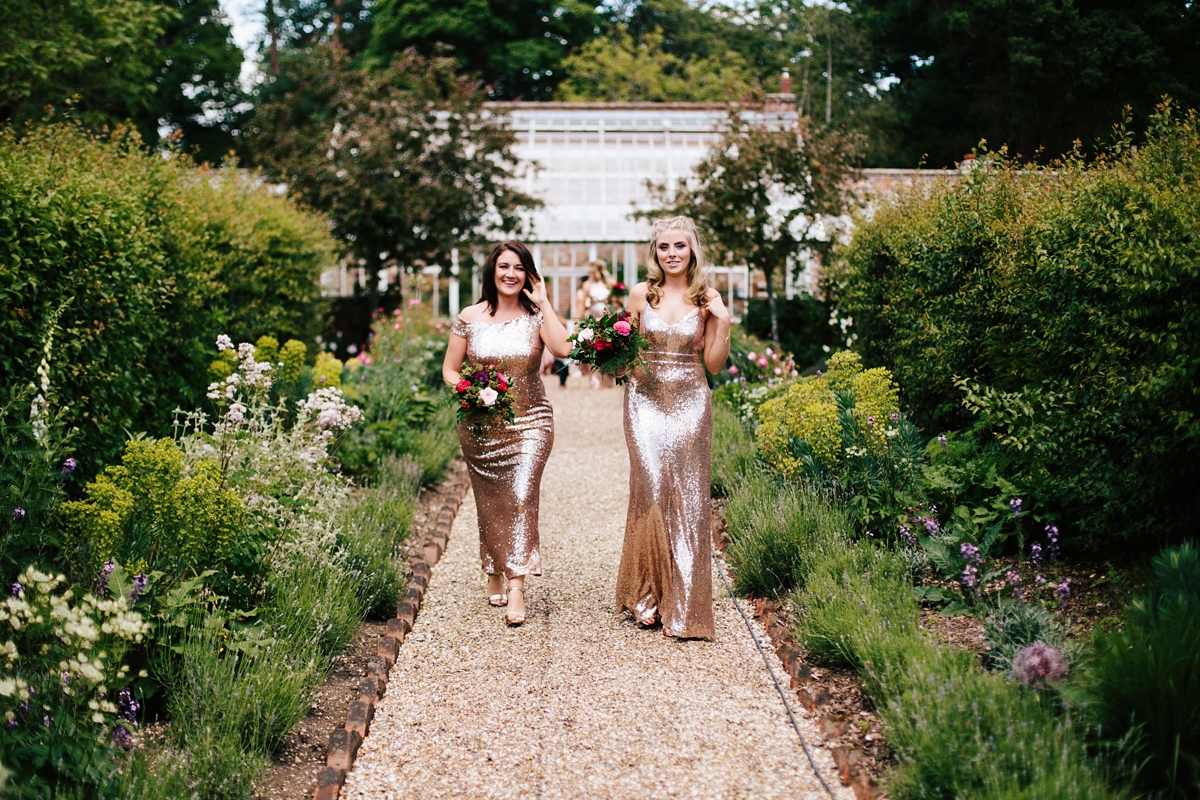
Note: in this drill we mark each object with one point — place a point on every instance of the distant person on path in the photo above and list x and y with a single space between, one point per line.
510 324
666 562
591 300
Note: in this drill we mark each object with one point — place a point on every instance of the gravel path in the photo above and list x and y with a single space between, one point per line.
579 702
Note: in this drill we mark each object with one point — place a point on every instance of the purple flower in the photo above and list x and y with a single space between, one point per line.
895 416
17 590
970 576
105 573
127 706
870 421
69 466
1038 665
139 586
906 535
1064 593
18 513
1013 579
1015 504
942 441
1052 538
480 377
970 552
931 526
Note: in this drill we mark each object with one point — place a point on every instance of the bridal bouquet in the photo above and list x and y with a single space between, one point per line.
484 395
608 343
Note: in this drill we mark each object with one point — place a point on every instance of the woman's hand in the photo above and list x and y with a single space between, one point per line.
716 306
537 292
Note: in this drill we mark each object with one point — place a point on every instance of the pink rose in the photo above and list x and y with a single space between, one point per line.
751 356
778 371
762 362
623 328
733 370
488 396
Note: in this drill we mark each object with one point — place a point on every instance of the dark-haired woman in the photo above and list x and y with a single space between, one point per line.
510 324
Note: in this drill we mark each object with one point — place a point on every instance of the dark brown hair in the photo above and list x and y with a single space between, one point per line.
490 295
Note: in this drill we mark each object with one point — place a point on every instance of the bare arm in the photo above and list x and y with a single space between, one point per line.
456 351
554 334
716 334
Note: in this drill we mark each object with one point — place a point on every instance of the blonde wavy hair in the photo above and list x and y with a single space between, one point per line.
697 280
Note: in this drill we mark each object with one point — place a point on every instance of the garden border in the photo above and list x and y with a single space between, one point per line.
345 741
790 655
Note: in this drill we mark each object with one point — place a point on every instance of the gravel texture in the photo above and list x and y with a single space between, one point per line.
579 702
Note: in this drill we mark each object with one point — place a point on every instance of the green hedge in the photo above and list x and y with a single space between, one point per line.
1071 296
148 259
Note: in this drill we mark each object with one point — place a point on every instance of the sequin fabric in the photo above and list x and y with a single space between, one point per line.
506 461
666 558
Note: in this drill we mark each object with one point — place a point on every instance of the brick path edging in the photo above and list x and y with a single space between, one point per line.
345 741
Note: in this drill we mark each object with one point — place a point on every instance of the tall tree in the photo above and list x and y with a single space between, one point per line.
155 63
196 86
516 46
404 161
766 191
621 69
1029 73
103 53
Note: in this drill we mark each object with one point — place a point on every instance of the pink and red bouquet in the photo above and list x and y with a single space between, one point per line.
608 343
484 395
618 293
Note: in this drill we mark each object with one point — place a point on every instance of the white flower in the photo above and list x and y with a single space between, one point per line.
585 335
224 342
488 396
246 350
237 412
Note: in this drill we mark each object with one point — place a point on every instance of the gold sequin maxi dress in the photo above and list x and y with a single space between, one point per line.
666 559
506 461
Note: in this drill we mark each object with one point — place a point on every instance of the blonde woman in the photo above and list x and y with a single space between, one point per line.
665 571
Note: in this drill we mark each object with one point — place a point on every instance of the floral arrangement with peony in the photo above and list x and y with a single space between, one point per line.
484 395
609 343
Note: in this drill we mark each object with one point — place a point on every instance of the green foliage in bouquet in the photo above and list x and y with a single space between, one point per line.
609 343
1069 295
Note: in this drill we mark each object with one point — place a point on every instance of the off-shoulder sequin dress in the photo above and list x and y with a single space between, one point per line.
666 559
506 461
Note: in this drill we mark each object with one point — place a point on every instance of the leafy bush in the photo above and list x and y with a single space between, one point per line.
62 684
1011 627
804 329
34 468
779 534
732 450
1068 296
372 530
132 261
754 361
809 412
392 382
1141 690
153 514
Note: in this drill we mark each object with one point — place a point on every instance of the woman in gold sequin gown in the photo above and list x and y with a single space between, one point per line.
510 325
666 569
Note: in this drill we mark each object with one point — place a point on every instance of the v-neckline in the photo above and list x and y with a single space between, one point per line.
676 322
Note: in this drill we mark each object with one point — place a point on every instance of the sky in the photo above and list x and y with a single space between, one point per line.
247 20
